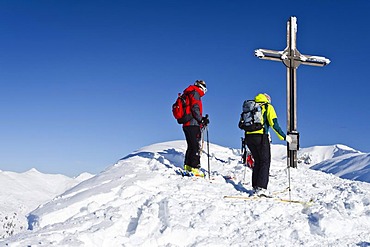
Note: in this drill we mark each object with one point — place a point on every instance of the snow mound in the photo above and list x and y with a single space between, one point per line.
143 201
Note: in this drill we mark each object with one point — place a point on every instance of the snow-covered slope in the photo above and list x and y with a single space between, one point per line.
339 160
22 192
350 166
317 154
143 201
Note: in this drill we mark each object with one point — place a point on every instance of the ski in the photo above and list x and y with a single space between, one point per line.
185 173
280 192
305 203
253 197
218 178
228 177
214 178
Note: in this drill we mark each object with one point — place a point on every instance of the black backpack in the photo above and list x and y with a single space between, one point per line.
251 118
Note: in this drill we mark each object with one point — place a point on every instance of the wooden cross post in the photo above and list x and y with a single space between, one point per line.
292 59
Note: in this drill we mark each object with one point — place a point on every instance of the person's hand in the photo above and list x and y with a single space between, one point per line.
205 121
288 139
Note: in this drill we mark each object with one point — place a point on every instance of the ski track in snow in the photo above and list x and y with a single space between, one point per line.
142 201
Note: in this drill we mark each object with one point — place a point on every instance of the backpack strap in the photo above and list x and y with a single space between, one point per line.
265 120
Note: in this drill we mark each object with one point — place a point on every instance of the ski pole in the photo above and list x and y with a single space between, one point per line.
244 158
245 173
290 190
242 150
209 166
202 135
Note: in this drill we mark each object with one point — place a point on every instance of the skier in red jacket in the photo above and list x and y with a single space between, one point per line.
192 128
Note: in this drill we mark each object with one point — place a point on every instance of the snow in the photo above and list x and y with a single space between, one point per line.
259 53
22 192
349 166
143 201
318 59
322 153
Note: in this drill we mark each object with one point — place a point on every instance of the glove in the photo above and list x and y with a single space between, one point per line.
288 139
205 121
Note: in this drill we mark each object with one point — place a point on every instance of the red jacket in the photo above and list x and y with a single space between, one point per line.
195 104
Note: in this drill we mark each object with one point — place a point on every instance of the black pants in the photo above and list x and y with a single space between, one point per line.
192 155
259 145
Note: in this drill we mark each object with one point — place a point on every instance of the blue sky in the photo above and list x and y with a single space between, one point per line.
84 83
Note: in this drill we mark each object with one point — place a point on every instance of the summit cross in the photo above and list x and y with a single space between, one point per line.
292 58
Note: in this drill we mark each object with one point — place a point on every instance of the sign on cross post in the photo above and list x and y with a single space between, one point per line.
292 59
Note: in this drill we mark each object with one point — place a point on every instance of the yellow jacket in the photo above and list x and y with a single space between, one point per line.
269 118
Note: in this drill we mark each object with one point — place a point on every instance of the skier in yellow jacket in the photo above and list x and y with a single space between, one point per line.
258 143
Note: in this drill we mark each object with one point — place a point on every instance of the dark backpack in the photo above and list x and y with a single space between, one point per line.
251 118
181 109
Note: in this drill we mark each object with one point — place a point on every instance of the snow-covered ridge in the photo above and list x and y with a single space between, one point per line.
142 201
354 167
340 160
22 192
318 154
